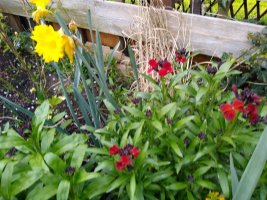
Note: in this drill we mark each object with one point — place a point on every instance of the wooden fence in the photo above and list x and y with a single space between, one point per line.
211 36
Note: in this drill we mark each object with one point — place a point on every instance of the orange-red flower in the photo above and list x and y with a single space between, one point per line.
163 67
135 152
228 111
114 150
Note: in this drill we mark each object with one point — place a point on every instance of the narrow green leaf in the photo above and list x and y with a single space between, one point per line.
68 143
7 142
97 151
177 186
225 67
17 107
201 171
98 186
204 151
224 183
234 177
100 57
55 162
182 122
78 156
206 184
137 134
84 107
40 114
111 56
253 170
134 65
122 180
167 108
200 93
132 187
6 180
74 116
77 77
42 193
58 117
176 148
161 175
82 176
134 111
157 124
189 195
25 180
63 190
47 139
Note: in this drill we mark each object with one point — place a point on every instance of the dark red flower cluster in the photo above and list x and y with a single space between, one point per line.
180 56
163 67
127 154
247 103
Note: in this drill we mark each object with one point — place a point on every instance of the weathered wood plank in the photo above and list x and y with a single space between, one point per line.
211 36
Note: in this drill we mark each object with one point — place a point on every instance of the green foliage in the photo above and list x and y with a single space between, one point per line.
253 171
255 69
185 142
44 164
90 88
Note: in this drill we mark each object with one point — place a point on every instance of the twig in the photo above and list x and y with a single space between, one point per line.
55 125
11 118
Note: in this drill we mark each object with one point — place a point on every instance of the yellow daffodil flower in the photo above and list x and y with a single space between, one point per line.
40 13
40 3
50 44
68 45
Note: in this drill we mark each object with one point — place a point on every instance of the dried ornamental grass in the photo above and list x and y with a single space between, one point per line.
151 37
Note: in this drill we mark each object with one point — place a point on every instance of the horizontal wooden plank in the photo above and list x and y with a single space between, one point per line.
211 36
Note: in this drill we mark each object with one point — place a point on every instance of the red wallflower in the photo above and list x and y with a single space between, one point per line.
228 111
166 69
238 105
127 154
163 67
123 162
126 160
180 58
254 118
153 64
114 150
135 152
119 165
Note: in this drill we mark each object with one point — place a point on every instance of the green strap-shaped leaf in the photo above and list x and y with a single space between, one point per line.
55 162
253 171
6 180
132 186
224 183
25 180
63 190
74 116
177 186
42 193
134 65
69 143
78 156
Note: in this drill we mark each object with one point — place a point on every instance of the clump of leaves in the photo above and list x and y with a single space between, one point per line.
255 70
44 163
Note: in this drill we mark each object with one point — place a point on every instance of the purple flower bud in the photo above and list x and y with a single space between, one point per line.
202 136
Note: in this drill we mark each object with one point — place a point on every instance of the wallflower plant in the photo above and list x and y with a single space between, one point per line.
185 139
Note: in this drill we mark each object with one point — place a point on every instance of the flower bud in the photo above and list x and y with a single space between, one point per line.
73 26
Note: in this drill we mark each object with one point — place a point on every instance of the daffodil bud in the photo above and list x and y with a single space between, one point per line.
73 26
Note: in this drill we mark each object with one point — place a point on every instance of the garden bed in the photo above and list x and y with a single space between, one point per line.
170 129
